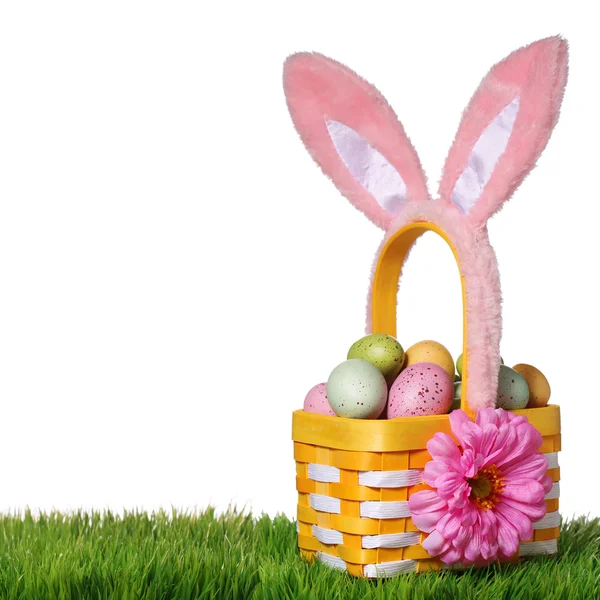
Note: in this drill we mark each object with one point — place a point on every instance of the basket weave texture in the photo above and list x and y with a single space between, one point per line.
352 504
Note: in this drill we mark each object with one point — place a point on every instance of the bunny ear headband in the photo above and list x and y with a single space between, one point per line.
357 140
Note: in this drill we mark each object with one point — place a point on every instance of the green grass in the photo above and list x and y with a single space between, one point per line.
180 556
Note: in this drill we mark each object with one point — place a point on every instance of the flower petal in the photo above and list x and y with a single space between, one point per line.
457 419
435 543
533 512
427 522
425 501
528 466
462 537
528 441
449 483
473 549
503 445
546 483
470 463
433 470
517 519
489 526
451 556
524 490
486 416
468 515
486 443
448 526
443 448
486 549
460 499
508 537
471 434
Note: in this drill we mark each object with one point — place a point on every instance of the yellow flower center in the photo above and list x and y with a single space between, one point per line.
486 487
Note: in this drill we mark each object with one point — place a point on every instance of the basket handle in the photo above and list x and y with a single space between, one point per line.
481 306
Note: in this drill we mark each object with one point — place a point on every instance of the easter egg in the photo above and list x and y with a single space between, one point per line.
421 389
457 396
383 351
459 362
316 401
513 391
356 389
432 352
539 388
459 366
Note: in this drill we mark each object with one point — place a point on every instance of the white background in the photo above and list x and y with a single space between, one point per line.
175 272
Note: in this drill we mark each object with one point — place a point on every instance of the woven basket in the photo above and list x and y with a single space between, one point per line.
354 477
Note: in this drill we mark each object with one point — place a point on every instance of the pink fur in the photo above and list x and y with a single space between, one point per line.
318 88
537 74
483 298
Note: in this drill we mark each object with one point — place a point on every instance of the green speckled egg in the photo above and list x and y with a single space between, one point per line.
381 350
513 391
356 389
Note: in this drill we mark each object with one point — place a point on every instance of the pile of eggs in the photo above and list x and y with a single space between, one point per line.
380 380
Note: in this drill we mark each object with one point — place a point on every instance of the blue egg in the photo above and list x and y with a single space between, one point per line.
513 391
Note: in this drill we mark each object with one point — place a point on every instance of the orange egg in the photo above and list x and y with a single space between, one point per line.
433 352
539 388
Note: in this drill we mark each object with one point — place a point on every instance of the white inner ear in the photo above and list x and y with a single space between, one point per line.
488 149
369 167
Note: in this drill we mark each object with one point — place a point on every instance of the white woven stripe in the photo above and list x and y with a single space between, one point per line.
390 479
529 548
389 569
333 561
552 459
554 492
384 510
391 540
548 521
325 503
327 536
323 473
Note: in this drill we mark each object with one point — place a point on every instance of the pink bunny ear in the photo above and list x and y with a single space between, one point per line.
505 128
353 135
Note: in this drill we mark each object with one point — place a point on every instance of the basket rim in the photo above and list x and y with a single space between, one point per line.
395 435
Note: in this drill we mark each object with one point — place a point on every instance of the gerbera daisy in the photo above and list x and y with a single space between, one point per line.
487 493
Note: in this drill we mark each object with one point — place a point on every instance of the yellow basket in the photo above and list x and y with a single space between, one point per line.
354 477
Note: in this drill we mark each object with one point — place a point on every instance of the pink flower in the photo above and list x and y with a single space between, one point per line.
486 493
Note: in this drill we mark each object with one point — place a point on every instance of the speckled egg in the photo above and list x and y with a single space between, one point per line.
383 351
513 391
459 365
421 389
539 388
432 352
356 389
316 401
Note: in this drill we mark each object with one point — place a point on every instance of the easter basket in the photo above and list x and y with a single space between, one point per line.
375 496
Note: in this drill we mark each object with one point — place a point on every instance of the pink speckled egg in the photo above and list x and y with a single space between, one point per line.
316 401
421 389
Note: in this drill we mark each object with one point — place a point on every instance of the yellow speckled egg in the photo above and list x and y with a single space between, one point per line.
433 352
539 388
